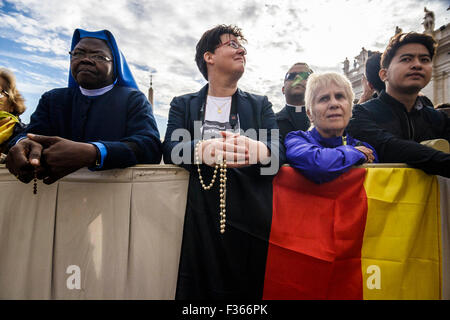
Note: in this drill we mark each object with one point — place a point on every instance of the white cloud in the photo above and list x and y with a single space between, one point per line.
39 60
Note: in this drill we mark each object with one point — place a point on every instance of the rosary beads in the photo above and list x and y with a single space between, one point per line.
35 182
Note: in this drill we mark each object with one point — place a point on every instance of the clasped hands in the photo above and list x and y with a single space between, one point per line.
50 158
367 152
238 151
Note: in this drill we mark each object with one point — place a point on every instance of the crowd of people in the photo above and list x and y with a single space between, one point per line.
102 121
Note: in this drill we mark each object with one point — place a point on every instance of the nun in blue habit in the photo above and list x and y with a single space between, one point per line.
102 107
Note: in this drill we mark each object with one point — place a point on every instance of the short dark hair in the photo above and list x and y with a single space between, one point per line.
401 39
372 71
210 40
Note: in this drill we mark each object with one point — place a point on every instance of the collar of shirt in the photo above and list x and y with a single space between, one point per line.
332 142
297 108
96 92
419 104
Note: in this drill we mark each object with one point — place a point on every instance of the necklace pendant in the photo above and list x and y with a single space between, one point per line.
219 110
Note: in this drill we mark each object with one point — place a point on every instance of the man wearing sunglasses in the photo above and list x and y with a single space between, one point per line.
293 116
101 120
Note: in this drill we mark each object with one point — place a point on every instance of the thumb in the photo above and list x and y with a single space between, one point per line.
35 154
45 141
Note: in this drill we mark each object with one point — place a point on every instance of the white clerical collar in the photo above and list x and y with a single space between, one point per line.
297 108
96 92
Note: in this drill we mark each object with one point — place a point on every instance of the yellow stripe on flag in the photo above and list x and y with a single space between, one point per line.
400 256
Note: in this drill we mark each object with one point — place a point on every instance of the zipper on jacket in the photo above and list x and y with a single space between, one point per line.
412 128
408 122
344 140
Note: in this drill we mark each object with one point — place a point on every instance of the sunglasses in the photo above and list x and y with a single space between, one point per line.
292 75
3 93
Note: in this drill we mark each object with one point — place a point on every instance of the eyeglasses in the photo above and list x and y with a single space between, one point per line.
3 93
292 75
93 56
234 45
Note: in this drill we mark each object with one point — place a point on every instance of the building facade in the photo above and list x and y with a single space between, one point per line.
438 90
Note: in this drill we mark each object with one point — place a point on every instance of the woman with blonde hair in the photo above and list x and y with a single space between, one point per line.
326 150
12 105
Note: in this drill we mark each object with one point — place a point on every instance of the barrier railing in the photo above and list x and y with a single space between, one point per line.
117 234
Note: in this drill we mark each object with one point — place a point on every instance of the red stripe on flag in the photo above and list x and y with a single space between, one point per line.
316 237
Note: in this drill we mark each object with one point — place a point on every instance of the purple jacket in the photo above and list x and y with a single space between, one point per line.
323 159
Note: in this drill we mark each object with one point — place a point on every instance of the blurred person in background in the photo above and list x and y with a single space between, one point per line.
293 116
12 105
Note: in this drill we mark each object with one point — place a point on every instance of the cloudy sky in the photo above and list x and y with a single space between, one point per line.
159 37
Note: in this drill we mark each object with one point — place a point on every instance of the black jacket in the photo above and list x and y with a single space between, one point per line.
121 119
396 134
289 119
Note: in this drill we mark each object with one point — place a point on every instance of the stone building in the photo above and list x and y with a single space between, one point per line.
438 90
355 73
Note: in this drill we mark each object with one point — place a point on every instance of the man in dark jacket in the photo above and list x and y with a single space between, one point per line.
397 121
101 121
293 116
